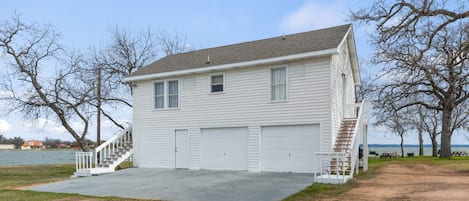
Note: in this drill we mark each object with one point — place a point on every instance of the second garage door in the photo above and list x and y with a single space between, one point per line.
224 148
290 148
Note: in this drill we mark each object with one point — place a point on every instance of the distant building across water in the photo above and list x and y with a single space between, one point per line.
33 144
7 146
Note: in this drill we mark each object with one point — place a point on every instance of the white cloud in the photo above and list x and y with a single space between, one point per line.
5 94
42 124
312 15
4 125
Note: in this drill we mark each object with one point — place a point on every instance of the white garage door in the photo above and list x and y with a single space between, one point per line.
290 148
224 148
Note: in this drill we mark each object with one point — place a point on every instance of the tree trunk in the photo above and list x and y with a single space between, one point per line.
434 145
420 130
83 144
446 131
420 140
402 145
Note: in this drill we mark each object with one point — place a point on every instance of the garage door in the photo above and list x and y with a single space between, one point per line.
224 148
290 148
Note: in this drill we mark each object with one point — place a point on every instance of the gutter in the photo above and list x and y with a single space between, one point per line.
233 65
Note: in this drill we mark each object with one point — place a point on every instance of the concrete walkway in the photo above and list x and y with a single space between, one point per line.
168 184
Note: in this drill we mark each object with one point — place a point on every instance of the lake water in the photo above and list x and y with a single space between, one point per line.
17 157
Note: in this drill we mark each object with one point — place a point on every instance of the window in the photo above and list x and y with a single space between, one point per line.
166 94
216 83
173 94
159 95
278 80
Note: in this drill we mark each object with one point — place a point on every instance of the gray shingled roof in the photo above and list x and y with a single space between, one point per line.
249 51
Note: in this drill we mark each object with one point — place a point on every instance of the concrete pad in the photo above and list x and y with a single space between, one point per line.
169 184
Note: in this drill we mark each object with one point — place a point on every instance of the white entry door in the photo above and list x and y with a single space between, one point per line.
182 148
224 148
290 148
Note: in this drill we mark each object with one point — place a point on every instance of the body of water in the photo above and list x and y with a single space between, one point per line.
427 149
31 157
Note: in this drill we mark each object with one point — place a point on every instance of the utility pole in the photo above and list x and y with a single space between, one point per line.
98 107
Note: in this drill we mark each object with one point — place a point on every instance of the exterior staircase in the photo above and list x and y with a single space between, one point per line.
106 157
343 144
343 161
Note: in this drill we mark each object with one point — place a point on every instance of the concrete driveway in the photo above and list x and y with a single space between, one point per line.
168 184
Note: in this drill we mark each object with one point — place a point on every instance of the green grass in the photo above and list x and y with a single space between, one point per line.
317 191
12 177
455 163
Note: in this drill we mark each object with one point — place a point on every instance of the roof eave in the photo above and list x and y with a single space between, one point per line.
233 65
353 56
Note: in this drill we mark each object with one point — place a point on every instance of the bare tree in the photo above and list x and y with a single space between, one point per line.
417 121
36 90
398 122
422 47
173 43
124 54
432 125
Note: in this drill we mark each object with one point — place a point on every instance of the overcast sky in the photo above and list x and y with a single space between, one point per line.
86 23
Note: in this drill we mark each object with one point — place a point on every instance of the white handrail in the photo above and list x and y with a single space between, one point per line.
113 138
85 161
341 157
357 134
105 150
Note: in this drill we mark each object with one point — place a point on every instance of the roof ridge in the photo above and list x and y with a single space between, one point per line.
258 40
308 41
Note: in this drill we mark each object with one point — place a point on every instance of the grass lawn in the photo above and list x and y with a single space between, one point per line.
12 177
316 191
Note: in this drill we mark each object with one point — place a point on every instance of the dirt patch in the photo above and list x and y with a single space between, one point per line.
25 187
419 182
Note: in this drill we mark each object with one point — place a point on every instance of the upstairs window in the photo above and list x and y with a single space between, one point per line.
278 84
166 94
159 95
173 94
217 83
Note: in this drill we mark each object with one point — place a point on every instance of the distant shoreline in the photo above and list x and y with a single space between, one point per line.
413 145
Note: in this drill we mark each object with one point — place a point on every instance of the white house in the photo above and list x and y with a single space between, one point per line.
273 105
7 146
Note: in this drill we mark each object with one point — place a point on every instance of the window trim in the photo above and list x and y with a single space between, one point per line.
166 94
270 84
210 75
154 95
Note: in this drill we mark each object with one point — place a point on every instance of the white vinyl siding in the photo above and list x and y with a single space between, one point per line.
278 80
246 105
340 65
159 95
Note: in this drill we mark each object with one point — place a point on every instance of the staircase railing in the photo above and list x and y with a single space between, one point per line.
341 158
109 147
333 170
357 135
85 161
